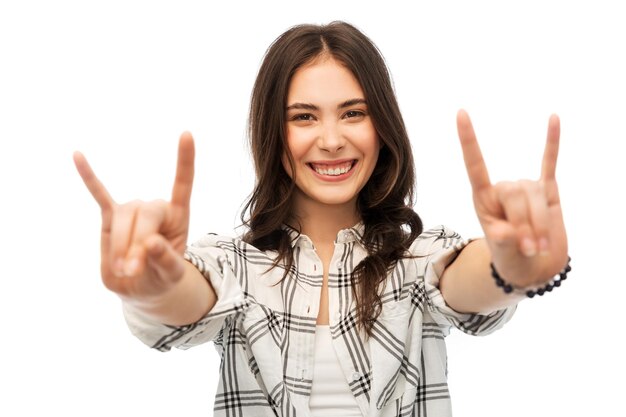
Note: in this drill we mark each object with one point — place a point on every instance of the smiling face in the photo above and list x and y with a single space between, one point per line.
330 136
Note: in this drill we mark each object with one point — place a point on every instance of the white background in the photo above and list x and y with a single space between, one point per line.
120 80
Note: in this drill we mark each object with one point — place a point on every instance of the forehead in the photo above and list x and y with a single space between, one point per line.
323 82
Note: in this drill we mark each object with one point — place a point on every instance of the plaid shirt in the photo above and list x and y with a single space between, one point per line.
264 327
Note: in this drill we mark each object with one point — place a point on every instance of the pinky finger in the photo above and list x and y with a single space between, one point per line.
551 152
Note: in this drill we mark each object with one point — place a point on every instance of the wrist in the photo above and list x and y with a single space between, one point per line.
531 291
184 302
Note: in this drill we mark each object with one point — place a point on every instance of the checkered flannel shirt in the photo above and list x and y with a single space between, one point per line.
264 327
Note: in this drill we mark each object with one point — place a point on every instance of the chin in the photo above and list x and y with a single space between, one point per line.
334 200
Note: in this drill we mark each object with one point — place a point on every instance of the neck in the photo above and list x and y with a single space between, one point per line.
321 222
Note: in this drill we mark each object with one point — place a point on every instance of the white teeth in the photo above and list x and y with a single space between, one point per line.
332 171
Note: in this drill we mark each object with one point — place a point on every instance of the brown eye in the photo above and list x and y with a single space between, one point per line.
353 113
305 117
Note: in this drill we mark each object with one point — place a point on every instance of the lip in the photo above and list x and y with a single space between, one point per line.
333 178
333 162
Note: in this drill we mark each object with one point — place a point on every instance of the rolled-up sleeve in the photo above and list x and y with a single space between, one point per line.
445 246
210 258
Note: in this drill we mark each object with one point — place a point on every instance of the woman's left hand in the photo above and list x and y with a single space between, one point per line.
522 220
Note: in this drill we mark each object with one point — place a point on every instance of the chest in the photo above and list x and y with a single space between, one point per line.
325 254
279 329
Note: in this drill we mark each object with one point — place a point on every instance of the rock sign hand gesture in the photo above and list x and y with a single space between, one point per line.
522 220
142 243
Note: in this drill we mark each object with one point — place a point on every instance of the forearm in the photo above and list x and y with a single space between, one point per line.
467 284
185 303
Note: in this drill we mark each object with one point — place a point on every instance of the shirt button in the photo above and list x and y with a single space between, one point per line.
339 265
356 376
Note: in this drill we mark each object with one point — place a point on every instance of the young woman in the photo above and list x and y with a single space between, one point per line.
335 302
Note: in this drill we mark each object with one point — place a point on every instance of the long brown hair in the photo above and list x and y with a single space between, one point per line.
385 202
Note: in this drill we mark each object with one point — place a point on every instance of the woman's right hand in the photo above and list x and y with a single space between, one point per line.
142 243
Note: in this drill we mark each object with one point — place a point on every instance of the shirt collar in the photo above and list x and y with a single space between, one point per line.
351 234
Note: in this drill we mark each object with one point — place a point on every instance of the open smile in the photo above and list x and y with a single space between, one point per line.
333 169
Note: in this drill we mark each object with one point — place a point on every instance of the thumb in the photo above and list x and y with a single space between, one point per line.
161 256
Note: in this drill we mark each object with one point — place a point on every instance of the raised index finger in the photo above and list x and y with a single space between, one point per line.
181 192
548 168
95 187
474 162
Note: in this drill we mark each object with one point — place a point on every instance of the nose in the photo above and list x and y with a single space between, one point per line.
331 139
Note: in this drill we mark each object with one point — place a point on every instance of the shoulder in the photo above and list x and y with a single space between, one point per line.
228 243
232 249
435 239
229 254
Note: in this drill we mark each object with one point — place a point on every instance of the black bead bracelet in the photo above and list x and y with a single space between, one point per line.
555 282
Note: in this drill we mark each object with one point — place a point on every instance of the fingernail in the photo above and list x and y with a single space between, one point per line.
528 247
543 246
118 267
131 267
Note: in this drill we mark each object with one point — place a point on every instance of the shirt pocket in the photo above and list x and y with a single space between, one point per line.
395 348
262 333
404 402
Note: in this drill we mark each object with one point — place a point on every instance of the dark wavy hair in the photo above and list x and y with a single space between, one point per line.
385 202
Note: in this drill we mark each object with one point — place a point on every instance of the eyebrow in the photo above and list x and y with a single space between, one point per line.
309 106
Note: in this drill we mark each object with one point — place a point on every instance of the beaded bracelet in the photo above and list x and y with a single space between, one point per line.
508 288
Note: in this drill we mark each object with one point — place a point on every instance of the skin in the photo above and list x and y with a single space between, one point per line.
322 128
523 224
142 243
